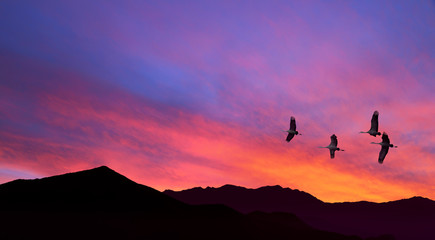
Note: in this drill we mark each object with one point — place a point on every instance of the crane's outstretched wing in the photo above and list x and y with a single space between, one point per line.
383 153
289 137
385 138
375 124
332 153
292 124
333 140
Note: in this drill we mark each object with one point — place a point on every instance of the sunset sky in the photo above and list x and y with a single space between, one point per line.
180 94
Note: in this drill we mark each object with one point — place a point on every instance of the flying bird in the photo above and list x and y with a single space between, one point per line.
385 146
374 125
333 146
292 131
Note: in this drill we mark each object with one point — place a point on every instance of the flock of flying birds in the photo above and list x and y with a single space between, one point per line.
385 144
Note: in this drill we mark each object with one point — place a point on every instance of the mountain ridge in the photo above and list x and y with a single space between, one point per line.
101 203
96 188
232 186
410 218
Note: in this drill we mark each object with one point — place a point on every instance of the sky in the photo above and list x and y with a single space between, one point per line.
181 94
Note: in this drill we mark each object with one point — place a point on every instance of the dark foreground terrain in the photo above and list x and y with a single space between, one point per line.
412 218
102 204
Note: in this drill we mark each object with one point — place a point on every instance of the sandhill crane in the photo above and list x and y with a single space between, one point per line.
385 146
292 131
374 125
333 146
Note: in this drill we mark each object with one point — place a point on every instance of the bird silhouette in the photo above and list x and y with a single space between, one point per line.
333 146
374 125
385 147
292 131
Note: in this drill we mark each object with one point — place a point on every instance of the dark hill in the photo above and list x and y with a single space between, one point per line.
412 218
97 189
102 204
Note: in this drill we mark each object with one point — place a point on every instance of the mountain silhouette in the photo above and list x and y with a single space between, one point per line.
268 199
102 204
412 218
97 189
